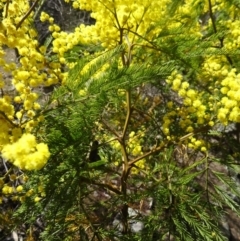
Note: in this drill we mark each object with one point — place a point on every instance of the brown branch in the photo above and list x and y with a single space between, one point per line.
126 169
111 130
145 173
159 148
127 120
7 6
129 111
126 58
27 14
104 143
211 16
215 30
7 119
89 220
145 116
108 186
104 185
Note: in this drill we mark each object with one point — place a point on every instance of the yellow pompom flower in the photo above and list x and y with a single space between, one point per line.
51 20
26 153
20 87
44 16
28 105
176 84
203 149
19 188
211 123
137 150
182 92
29 193
185 85
75 5
191 94
189 129
5 189
197 103
37 199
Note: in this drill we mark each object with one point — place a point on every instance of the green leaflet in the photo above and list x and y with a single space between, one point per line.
78 80
97 164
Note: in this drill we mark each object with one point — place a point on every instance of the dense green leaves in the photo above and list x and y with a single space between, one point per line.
163 172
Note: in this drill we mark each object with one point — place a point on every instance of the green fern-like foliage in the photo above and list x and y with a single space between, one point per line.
146 184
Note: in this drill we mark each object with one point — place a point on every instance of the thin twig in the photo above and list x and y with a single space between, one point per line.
7 6
215 29
104 185
5 166
27 14
113 139
126 169
129 111
92 226
7 119
145 173
111 130
159 148
211 16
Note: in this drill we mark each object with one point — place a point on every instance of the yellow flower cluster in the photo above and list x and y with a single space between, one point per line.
168 119
214 68
122 18
62 41
6 107
7 189
65 41
32 70
197 144
229 105
135 148
233 40
5 126
10 188
194 108
117 22
134 142
26 153
45 17
133 23
122 21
